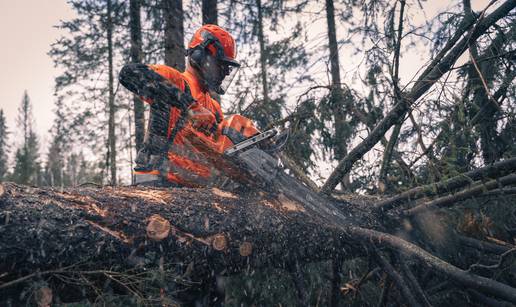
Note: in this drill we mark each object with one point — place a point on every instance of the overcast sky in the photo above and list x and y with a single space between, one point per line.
26 32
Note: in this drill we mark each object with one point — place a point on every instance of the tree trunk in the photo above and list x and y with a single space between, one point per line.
112 111
391 145
263 57
189 234
174 34
209 12
342 129
136 57
150 242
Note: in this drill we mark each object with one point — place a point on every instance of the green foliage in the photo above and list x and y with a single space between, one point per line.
4 150
27 168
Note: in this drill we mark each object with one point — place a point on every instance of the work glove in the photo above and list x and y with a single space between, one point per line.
202 119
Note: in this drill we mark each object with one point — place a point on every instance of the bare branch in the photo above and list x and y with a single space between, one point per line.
491 171
440 266
449 200
398 279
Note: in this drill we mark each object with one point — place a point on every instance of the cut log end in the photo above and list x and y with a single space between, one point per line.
158 228
43 297
246 249
219 242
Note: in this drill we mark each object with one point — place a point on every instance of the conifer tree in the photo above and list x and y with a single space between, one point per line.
55 161
4 150
89 56
27 169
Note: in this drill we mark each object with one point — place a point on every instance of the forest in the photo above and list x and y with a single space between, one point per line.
401 117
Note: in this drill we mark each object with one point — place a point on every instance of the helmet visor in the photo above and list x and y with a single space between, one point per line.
230 72
218 74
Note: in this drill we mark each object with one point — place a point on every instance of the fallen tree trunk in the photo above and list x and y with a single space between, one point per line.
154 244
204 231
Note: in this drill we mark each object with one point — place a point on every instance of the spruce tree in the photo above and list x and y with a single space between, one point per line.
4 150
88 55
27 168
55 163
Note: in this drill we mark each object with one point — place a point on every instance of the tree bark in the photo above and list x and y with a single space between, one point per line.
338 101
210 231
263 57
209 12
111 106
183 235
428 78
136 57
174 34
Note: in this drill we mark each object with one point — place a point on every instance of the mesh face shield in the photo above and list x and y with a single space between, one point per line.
230 73
218 74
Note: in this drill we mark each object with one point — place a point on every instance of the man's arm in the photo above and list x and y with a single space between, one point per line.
156 82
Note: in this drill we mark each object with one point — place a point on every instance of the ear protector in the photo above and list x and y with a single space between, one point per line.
198 54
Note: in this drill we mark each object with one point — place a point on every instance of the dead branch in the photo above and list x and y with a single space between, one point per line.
491 171
413 283
476 190
483 245
385 291
487 301
493 266
440 266
398 280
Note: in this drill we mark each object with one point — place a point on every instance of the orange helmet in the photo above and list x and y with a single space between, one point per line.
218 41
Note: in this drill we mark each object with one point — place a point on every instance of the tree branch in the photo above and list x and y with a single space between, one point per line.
491 171
440 266
398 279
462 195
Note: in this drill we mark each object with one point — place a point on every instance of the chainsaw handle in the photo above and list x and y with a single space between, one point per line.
145 82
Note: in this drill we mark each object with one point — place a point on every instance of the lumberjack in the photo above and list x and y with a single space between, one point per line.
188 140
182 110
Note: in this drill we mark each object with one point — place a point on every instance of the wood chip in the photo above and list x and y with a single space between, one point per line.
219 242
43 297
245 249
289 204
224 194
2 190
158 228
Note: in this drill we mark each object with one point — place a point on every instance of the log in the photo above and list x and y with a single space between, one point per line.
159 245
203 231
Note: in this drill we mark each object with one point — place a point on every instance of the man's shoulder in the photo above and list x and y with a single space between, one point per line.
172 74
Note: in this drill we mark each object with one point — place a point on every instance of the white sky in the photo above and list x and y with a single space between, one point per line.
26 32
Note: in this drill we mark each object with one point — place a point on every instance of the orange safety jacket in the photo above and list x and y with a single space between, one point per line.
187 166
